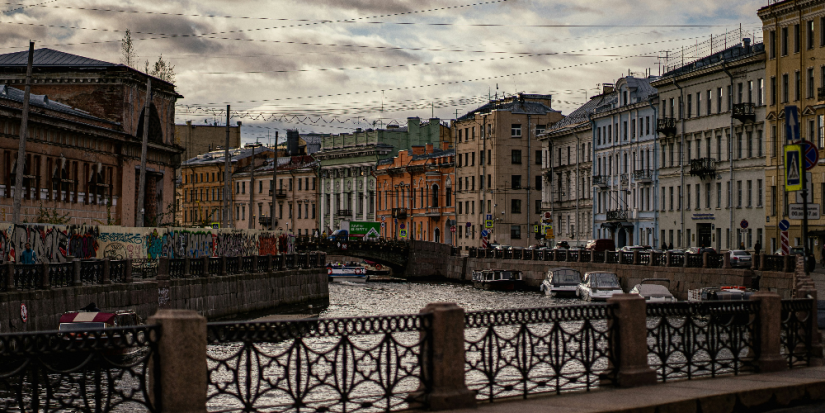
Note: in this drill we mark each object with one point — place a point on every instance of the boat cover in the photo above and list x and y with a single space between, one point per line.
89 317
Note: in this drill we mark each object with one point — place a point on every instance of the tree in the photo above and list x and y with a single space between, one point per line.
128 56
162 70
45 216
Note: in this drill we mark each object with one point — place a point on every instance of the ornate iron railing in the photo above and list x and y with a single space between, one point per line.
613 257
144 268
644 258
176 268
541 350
516 253
117 271
703 167
626 258
215 266
62 274
677 260
51 372
572 256
302 260
196 267
4 277
744 111
233 265
694 260
689 340
246 264
323 365
91 271
290 261
601 180
666 126
28 276
716 260
598 256
774 263
561 255
263 263
659 259
618 215
586 255
796 333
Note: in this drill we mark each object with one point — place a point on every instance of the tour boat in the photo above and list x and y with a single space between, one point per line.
350 272
375 268
504 280
75 324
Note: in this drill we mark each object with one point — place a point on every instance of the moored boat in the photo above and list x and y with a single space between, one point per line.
502 280
349 272
75 324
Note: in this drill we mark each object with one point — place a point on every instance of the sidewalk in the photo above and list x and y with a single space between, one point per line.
720 395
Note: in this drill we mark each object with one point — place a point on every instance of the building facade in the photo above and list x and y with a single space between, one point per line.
712 140
415 195
624 164
200 139
347 162
498 169
794 35
84 144
567 175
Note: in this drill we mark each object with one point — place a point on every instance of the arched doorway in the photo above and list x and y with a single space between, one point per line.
437 235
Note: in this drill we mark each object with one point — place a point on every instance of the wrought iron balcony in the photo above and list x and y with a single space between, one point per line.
601 180
344 212
400 213
434 212
643 175
618 215
624 178
703 167
666 126
744 112
820 95
280 193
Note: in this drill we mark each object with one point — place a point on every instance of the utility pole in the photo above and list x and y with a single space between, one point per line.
142 183
227 211
275 182
24 130
252 189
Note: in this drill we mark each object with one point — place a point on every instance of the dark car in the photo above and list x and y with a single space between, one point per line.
700 250
600 245
562 244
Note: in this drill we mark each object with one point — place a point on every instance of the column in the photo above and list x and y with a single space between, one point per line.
322 201
354 198
332 205
366 191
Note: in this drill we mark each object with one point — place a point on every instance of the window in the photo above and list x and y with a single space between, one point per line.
739 194
810 83
698 196
759 193
515 206
538 184
537 158
796 38
759 143
709 102
473 159
516 156
689 105
515 130
772 43
707 195
719 97
810 31
773 91
698 103
730 97
760 92
750 144
784 41
719 195
515 181
797 85
785 86
750 193
687 198
515 231
821 31
773 201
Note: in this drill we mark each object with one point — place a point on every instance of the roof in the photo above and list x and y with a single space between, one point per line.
43 101
49 57
581 114
217 156
730 54
513 105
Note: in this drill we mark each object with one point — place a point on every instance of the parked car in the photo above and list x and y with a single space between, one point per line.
793 251
561 282
599 286
677 251
700 250
654 292
740 258
631 248
600 245
562 244
503 247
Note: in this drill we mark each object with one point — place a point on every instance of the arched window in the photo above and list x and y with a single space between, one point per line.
435 196
155 128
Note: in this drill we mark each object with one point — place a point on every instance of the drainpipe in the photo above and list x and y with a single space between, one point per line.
682 158
730 154
655 179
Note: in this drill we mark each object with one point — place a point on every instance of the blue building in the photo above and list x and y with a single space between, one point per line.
625 179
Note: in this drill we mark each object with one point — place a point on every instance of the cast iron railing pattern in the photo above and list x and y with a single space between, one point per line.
196 267
117 271
144 268
246 264
539 350
626 258
677 260
28 276
233 265
644 258
613 257
716 260
263 263
572 256
176 268
4 276
561 255
797 328
215 266
323 365
694 260
774 263
598 256
659 259
53 372
618 215
687 340
91 271
290 261
61 274
586 255
302 260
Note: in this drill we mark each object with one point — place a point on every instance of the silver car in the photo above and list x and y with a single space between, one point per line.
740 259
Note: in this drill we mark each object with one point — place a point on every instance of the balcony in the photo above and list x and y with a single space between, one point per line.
624 178
433 212
400 213
820 95
618 215
744 112
601 180
344 213
643 175
666 126
703 167
280 193
266 221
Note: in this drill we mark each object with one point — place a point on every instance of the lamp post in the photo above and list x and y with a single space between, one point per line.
252 186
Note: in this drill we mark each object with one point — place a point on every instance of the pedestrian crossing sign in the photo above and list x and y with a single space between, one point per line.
793 168
488 223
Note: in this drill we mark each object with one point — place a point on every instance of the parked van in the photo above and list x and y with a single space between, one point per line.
601 245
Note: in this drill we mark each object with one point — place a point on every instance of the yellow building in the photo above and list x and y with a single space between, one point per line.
794 36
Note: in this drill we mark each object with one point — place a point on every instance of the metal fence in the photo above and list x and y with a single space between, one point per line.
613 257
694 260
117 270
61 274
215 266
796 333
177 267
327 365
539 350
28 276
689 340
197 267
91 271
626 258
677 260
774 263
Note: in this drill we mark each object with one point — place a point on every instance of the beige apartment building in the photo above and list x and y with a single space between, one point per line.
794 36
498 169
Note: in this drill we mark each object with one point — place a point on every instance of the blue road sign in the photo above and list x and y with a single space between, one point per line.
811 155
489 216
791 123
484 233
784 225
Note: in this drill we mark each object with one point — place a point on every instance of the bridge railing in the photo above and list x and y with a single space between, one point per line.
403 362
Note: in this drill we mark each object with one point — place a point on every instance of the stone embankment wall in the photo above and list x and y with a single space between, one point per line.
213 297
681 279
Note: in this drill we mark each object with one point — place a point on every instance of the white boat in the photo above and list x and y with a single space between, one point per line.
653 293
351 273
502 280
599 286
561 282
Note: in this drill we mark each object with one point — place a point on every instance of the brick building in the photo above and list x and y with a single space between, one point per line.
85 134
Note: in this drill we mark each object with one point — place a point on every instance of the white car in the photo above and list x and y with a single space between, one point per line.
599 286
654 293
561 282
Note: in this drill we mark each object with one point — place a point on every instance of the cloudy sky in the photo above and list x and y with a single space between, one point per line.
330 65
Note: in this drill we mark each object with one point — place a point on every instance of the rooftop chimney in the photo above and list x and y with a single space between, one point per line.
747 43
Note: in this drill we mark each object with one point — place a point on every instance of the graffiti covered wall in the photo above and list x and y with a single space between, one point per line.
60 243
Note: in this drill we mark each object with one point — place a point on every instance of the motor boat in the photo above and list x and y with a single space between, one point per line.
503 280
654 293
561 282
347 272
375 268
599 286
75 325
726 293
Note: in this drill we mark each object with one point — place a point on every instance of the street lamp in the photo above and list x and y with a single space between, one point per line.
252 186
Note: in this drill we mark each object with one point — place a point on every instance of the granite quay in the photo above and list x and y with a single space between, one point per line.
181 363
215 287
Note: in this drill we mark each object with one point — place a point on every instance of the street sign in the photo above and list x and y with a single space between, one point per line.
402 226
489 217
811 155
484 233
809 182
548 233
791 123
383 219
452 229
744 224
786 245
383 225
796 211
547 215
488 223
402 233
24 312
784 225
535 229
793 168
